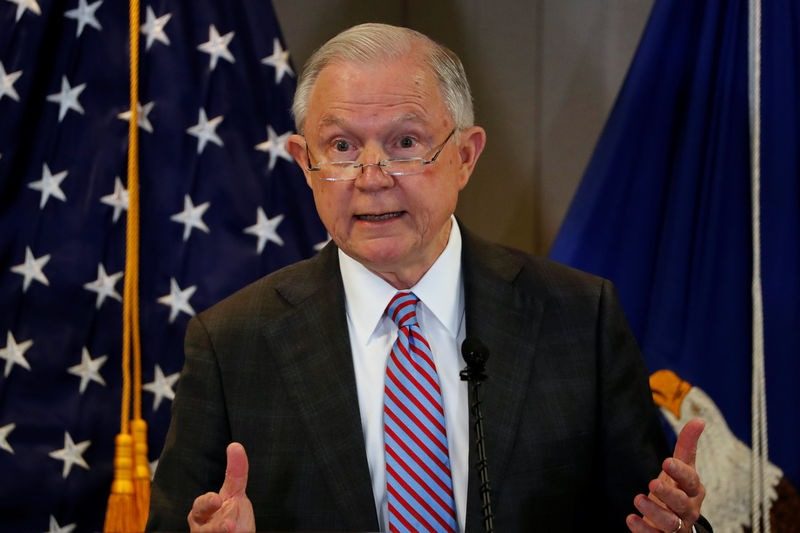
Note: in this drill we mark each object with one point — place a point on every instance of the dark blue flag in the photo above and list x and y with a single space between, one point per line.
222 204
664 211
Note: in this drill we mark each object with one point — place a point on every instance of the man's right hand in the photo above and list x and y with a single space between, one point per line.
228 511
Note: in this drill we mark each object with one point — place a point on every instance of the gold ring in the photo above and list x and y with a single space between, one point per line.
680 525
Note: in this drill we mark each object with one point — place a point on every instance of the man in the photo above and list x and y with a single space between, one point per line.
304 368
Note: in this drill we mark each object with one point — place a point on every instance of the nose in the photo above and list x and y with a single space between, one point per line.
371 175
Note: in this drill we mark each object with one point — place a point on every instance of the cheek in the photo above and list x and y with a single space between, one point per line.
331 208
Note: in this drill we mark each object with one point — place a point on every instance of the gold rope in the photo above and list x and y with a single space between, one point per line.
130 490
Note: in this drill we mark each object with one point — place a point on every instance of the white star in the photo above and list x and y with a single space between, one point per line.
71 454
154 27
280 60
191 217
14 353
205 130
68 98
320 245
7 83
141 115
88 369
49 185
22 5
55 528
276 146
4 432
162 387
217 46
266 229
118 199
32 269
84 14
153 466
178 300
104 285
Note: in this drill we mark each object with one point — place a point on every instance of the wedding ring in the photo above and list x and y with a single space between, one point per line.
680 525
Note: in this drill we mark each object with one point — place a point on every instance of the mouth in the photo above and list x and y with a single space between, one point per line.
379 218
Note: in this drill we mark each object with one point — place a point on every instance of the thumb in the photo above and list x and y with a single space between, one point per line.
236 472
686 447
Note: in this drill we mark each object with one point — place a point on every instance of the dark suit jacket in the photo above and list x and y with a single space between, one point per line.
571 430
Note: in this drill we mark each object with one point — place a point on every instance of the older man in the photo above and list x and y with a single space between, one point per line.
339 375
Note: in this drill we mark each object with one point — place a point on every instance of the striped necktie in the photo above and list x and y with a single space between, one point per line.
418 481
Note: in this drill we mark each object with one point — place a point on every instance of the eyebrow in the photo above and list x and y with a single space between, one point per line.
333 120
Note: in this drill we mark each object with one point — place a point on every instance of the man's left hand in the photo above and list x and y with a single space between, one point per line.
673 504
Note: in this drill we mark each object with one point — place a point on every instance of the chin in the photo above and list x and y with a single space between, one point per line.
379 255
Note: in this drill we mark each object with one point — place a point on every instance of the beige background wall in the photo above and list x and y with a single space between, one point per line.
544 76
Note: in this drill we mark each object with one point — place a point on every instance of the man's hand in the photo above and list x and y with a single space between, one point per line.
673 504
228 511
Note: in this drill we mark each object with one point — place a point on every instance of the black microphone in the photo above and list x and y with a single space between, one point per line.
475 354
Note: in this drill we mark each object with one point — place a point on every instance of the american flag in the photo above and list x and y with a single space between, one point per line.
222 204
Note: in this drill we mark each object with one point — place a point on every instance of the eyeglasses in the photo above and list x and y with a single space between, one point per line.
349 170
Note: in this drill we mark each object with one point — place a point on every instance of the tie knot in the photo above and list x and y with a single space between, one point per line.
403 309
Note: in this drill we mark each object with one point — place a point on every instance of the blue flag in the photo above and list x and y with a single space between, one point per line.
222 204
664 211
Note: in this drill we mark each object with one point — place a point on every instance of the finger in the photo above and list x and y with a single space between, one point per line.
236 472
204 508
637 525
652 512
684 476
686 447
215 526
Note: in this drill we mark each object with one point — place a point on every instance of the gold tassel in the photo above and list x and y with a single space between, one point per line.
141 472
121 511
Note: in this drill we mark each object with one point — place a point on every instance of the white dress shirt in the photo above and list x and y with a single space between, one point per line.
440 314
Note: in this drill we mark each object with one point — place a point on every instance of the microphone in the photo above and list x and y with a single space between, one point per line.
475 355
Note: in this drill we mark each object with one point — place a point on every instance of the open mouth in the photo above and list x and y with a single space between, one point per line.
378 218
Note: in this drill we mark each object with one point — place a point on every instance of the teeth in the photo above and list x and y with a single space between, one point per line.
386 216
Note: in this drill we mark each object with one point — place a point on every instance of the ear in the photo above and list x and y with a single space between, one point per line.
296 146
471 143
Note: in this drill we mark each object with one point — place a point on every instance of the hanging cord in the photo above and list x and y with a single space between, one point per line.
141 472
129 498
760 504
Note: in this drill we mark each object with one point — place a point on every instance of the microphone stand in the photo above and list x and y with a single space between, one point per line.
475 355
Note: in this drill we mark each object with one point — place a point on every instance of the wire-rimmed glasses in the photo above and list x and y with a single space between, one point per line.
349 170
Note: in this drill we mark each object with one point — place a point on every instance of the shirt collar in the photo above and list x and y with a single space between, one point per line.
367 295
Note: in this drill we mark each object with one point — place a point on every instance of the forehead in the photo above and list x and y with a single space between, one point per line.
376 92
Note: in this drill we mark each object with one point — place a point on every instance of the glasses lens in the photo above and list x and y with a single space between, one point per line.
403 167
338 170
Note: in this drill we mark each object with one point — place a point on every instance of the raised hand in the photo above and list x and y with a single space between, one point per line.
228 511
673 504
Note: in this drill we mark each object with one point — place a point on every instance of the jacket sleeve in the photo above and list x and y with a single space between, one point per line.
193 459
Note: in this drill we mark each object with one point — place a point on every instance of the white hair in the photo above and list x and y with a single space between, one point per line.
371 42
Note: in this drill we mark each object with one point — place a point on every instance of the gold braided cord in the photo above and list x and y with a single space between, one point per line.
133 195
123 511
130 307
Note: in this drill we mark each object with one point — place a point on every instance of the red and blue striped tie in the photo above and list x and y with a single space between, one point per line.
418 481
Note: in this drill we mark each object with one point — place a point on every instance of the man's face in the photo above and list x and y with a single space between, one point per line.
394 225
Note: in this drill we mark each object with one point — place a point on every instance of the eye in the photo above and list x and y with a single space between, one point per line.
341 145
407 142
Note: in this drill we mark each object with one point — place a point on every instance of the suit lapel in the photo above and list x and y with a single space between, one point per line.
312 348
507 322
